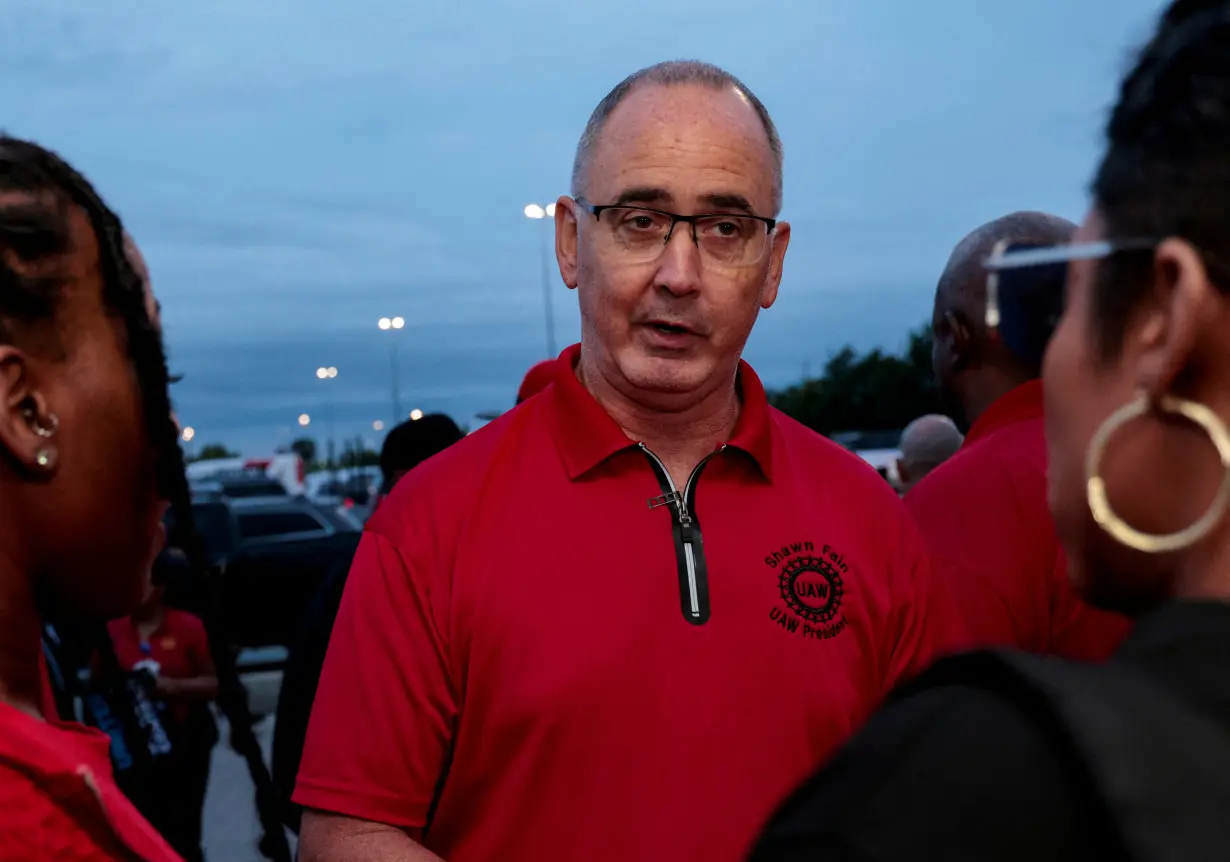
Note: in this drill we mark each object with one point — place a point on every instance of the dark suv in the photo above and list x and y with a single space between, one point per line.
272 554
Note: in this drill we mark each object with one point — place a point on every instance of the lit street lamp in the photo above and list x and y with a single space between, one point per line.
304 420
416 414
188 433
393 324
377 425
329 372
541 213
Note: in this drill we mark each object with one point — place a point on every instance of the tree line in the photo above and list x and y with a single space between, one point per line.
872 391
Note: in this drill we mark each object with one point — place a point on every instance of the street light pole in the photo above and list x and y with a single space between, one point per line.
393 324
330 373
545 214
393 371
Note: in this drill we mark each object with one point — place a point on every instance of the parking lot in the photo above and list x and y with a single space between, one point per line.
231 828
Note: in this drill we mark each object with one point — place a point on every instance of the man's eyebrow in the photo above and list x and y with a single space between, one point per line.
729 200
643 195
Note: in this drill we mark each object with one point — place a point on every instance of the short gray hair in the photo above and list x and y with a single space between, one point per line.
669 74
929 441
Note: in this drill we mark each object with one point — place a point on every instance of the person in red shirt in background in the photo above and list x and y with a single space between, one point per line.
173 646
90 455
984 512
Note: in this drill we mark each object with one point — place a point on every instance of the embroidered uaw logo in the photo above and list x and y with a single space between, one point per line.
811 587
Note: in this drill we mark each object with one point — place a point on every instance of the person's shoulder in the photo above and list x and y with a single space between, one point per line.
809 449
185 622
1012 457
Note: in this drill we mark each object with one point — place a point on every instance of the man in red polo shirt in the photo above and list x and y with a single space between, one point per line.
624 619
984 511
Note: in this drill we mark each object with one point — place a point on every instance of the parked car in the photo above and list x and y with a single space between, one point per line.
240 484
271 554
880 449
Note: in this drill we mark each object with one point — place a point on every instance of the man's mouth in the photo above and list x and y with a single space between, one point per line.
670 328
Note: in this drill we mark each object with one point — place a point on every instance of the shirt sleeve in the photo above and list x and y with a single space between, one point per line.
951 773
384 712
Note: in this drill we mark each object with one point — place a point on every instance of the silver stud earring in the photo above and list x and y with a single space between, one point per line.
46 458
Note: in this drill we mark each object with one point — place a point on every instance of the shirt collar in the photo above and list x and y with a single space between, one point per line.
1017 405
586 435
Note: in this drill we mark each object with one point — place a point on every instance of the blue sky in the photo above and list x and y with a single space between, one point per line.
295 169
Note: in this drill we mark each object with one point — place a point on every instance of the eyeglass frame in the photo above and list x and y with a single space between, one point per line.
1001 259
596 210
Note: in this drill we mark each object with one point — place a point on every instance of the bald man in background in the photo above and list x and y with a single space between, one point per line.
984 512
926 443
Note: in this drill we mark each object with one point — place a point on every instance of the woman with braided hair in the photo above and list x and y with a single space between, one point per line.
90 459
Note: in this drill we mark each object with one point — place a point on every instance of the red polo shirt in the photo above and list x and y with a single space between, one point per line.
58 801
179 645
985 516
542 655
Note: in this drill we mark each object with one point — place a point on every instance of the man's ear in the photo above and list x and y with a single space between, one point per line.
566 215
777 260
963 346
27 424
1175 325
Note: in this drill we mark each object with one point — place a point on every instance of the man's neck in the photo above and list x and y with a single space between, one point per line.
679 438
978 398
20 640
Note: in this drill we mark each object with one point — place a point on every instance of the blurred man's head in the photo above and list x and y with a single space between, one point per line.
413 442
972 363
537 379
667 305
926 443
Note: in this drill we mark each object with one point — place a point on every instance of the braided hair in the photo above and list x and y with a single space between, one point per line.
36 231
1165 171
42 230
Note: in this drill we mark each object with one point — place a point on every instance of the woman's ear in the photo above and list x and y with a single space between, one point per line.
1176 323
27 425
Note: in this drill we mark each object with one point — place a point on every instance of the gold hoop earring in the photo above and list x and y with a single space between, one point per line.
1095 486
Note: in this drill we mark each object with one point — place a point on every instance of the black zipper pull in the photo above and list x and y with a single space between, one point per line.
665 500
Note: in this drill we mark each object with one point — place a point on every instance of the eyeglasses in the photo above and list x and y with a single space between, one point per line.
640 234
1008 256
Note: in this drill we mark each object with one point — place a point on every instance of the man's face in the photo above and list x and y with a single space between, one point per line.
672 327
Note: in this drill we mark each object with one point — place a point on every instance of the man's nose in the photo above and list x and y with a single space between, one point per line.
680 264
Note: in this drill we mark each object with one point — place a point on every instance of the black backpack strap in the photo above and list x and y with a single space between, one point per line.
1160 768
